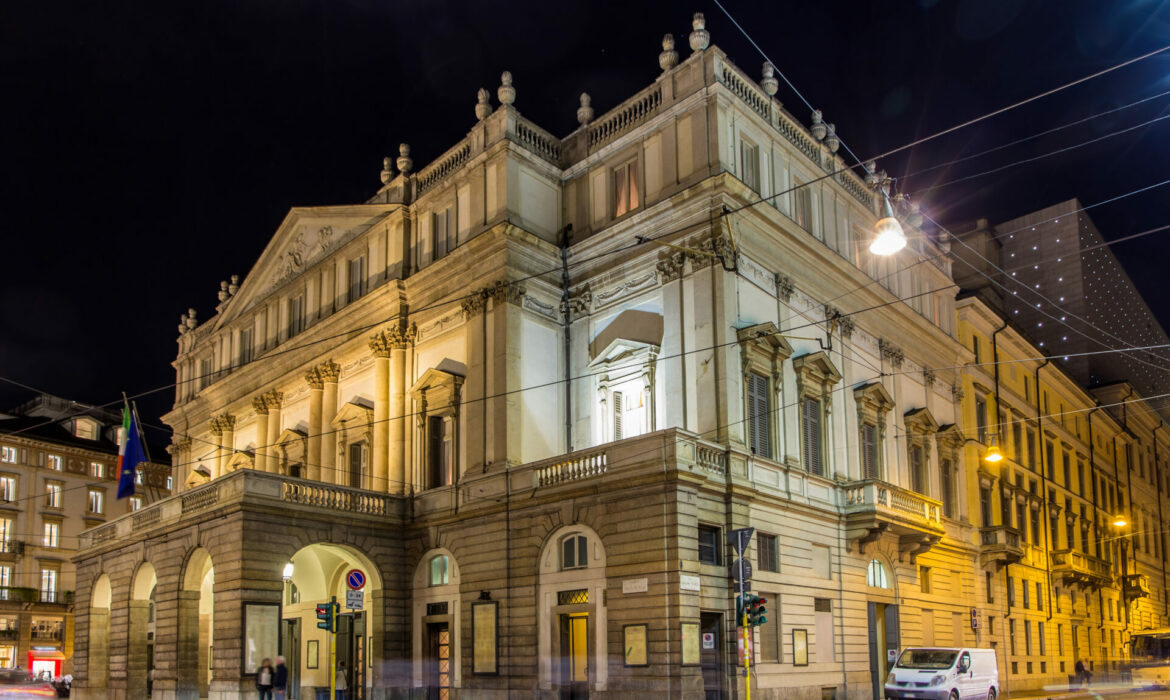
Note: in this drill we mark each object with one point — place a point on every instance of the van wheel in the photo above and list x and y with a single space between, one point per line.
991 694
954 695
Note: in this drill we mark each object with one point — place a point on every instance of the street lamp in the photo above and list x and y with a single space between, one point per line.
994 454
287 574
889 237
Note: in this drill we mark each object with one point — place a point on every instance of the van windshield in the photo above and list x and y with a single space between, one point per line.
936 659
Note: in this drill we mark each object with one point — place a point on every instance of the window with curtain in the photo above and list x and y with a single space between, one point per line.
625 188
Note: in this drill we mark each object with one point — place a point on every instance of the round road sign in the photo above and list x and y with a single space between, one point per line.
356 579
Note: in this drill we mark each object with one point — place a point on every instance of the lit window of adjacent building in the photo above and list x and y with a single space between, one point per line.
9 454
625 188
439 570
574 552
139 477
54 463
97 501
49 585
876 575
7 489
52 534
136 503
709 542
5 585
170 483
53 491
6 544
97 470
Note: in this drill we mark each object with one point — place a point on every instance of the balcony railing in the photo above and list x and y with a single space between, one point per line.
1135 586
878 497
1081 569
1000 544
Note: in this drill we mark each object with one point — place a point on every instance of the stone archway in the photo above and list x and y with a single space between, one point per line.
572 620
98 661
139 649
318 574
196 608
436 623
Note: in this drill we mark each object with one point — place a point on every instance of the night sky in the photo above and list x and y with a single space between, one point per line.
151 149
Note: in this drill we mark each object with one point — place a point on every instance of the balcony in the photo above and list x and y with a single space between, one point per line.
874 508
1134 586
1075 568
999 545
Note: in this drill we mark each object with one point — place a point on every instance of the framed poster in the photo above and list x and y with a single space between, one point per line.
690 644
312 651
800 647
634 642
485 657
261 634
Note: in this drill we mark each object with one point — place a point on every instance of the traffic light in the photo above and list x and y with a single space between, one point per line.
326 616
756 610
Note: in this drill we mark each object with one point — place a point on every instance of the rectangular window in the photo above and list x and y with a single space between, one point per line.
759 415
1028 637
1027 594
826 644
204 378
357 279
709 542
1039 596
625 188
1035 519
438 451
981 419
1067 473
975 349
97 470
917 469
985 505
97 501
924 579
767 553
135 503
1031 448
1011 592
53 494
55 463
6 535
442 233
5 584
49 585
1012 635
1018 441
947 483
7 489
9 454
170 483
869 457
296 307
750 161
990 586
802 204
246 346
1060 640
1081 477
52 535
811 435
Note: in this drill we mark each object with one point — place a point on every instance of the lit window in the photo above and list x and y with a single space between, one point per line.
97 501
52 536
138 478
5 581
6 535
625 188
9 455
49 585
135 503
7 488
170 483
97 470
439 570
876 576
53 494
55 462
574 552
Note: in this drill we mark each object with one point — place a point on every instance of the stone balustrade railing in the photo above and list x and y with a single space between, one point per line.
538 141
332 497
878 495
711 457
444 166
625 116
200 498
584 465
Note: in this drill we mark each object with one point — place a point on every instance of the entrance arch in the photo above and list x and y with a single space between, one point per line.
98 662
571 634
436 624
196 621
318 574
140 641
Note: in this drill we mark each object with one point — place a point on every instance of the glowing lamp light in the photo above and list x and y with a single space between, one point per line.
888 235
1120 521
288 572
994 454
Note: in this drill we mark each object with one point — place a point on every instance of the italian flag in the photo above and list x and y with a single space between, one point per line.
130 453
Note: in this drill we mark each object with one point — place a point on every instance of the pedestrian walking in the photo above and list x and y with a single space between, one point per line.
342 684
280 680
264 677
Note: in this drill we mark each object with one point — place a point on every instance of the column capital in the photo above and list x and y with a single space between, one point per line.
225 422
329 371
396 337
273 399
260 405
314 379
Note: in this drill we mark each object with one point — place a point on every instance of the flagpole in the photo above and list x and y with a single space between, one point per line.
145 448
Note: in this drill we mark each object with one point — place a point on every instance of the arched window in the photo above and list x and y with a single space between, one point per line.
574 552
439 570
876 575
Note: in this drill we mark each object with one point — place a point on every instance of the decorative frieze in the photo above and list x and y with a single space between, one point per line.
304 250
626 288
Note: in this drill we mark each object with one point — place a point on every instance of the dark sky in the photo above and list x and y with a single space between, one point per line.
150 149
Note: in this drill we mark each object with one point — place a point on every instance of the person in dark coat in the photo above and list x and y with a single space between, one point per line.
264 676
280 679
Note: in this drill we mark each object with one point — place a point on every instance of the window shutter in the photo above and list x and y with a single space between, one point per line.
617 415
868 452
916 469
811 435
759 436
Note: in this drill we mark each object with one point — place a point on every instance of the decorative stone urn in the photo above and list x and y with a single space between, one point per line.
818 127
585 111
405 162
769 82
387 169
700 38
484 106
831 139
506 93
669 57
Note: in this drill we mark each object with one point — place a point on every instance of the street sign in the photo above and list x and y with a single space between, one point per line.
746 571
740 538
353 600
356 579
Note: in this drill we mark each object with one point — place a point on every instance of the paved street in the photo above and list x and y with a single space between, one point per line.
1056 693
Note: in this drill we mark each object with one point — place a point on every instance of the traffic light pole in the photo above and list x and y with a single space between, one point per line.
333 648
747 648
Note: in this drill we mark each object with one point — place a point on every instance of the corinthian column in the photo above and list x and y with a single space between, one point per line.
313 458
273 400
400 340
217 435
227 443
381 348
329 371
261 407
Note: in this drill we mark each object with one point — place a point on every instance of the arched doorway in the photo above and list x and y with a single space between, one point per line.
571 635
98 661
196 621
436 625
140 641
316 574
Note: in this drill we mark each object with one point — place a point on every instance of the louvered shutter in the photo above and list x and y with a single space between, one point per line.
758 414
869 452
617 415
916 475
811 435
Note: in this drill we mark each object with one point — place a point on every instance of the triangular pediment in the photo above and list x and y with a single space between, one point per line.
240 460
876 394
352 414
920 420
620 349
307 236
767 334
289 435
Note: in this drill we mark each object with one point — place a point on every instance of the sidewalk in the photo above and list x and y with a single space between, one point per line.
1063 692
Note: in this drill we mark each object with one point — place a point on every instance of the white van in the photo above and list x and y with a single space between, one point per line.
944 674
